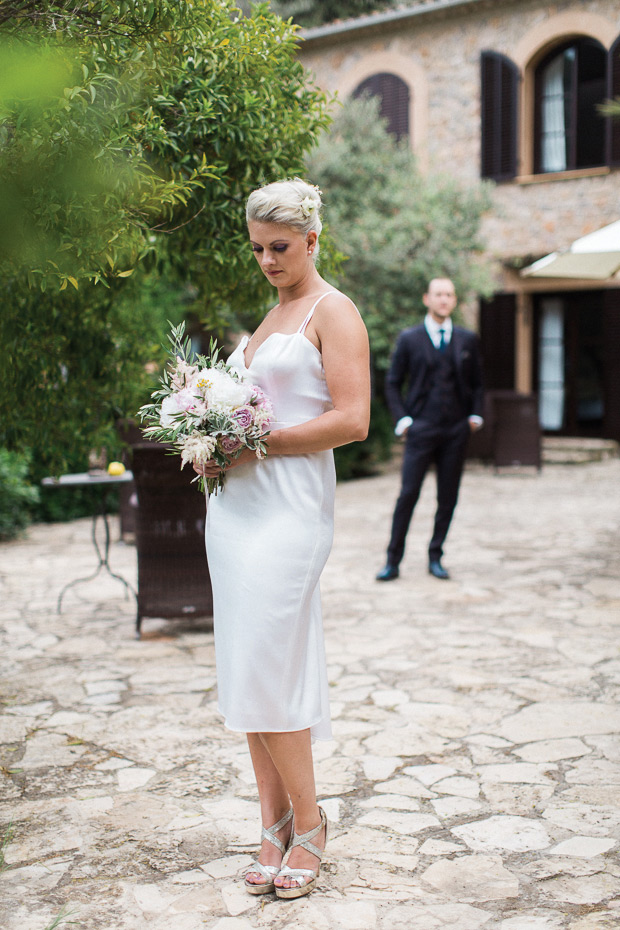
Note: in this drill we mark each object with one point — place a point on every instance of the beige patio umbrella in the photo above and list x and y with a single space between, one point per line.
595 256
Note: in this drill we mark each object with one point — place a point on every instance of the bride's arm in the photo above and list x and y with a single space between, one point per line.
346 361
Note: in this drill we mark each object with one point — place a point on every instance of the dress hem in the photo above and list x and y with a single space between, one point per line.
310 726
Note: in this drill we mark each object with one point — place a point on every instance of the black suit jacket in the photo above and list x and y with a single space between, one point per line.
414 362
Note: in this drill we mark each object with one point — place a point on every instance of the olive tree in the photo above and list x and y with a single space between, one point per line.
396 226
397 229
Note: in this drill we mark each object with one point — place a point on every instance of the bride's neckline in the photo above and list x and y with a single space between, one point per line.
298 332
243 345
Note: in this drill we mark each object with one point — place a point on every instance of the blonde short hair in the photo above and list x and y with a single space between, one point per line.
293 203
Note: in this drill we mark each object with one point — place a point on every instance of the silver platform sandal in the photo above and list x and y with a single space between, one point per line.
269 872
306 878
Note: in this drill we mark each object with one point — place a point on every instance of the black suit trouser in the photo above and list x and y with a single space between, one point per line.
427 444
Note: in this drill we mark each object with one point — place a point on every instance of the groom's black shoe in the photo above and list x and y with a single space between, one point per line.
436 568
388 573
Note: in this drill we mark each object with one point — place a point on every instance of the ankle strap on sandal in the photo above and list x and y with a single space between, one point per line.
303 839
269 833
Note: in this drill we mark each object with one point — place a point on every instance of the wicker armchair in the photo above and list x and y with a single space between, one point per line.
130 435
511 434
517 434
173 575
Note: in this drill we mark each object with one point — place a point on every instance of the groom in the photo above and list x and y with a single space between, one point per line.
441 367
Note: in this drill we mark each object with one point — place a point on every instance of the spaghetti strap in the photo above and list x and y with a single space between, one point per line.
303 326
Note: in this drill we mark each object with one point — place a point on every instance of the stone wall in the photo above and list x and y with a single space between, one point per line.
439 57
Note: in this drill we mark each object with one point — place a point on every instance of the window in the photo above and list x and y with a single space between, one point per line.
613 90
570 83
551 386
568 130
394 95
499 101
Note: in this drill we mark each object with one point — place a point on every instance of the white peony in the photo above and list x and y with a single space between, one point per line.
221 391
184 401
169 406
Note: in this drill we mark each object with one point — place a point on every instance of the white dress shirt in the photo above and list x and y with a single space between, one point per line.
433 329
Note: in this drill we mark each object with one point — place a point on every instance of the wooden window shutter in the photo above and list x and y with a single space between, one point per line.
613 127
611 363
499 92
497 341
393 93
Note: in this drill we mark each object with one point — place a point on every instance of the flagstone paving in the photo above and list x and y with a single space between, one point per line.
474 779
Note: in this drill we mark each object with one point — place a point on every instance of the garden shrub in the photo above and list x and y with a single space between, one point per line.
17 496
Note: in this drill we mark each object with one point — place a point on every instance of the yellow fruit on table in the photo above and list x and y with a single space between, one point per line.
116 468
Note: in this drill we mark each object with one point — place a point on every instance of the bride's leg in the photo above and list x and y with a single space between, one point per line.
274 803
291 755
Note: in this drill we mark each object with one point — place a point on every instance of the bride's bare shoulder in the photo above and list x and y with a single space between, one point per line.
339 324
335 302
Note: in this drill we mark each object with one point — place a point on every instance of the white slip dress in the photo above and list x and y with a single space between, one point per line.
268 535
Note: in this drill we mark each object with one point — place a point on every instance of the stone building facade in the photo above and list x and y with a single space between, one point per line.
509 90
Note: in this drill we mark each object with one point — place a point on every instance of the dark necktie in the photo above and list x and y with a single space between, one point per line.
442 340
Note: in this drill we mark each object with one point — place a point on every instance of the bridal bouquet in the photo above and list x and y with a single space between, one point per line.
206 410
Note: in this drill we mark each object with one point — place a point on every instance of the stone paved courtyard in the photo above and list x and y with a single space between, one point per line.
474 779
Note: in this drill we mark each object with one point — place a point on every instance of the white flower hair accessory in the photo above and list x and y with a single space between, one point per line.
307 206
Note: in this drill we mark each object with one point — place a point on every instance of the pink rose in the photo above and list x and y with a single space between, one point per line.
244 417
229 444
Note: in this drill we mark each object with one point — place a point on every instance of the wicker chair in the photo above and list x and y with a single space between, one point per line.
480 443
173 575
130 435
517 434
511 435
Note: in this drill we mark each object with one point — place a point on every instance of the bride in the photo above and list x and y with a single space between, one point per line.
269 531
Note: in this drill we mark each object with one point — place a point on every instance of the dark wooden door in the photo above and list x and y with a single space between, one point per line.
611 363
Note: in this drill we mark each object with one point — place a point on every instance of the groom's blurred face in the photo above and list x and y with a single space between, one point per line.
440 299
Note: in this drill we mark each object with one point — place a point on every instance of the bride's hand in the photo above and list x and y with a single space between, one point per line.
212 469
246 456
209 470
